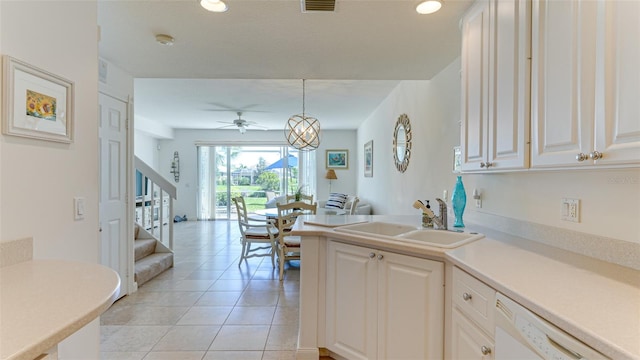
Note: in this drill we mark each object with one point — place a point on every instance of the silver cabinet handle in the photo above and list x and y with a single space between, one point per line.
489 164
380 256
582 157
485 350
595 155
372 255
466 296
482 164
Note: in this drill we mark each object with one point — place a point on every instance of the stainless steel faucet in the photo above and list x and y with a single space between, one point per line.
441 219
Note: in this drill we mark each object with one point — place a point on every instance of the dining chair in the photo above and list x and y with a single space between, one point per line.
259 232
354 205
289 246
305 198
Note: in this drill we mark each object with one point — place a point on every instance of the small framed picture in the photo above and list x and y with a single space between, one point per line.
337 159
457 159
368 159
37 104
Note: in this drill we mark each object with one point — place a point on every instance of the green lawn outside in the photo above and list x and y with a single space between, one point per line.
254 196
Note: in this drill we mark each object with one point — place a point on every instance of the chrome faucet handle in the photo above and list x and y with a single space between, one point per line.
443 214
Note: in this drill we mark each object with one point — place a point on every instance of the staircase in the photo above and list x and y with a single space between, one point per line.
151 256
154 213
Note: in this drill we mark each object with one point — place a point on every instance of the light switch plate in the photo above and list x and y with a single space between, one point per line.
78 208
570 210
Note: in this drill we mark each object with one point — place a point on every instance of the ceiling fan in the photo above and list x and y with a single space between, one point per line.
241 124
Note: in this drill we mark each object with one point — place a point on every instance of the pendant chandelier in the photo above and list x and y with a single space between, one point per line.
303 132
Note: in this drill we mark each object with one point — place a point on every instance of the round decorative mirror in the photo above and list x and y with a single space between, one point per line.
402 142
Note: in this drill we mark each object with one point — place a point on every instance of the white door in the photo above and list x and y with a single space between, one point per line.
113 186
410 307
563 82
508 106
618 126
352 301
475 86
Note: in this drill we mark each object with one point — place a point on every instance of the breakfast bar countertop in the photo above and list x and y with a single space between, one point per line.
42 302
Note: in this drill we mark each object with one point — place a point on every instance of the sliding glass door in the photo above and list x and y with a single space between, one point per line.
258 173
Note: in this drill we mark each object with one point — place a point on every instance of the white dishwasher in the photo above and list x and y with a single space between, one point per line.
522 335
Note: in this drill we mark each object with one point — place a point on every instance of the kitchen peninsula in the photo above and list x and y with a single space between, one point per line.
590 299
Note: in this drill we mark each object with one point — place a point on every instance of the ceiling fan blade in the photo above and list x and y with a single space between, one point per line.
226 126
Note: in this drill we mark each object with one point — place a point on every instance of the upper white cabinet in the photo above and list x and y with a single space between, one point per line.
382 305
585 83
495 85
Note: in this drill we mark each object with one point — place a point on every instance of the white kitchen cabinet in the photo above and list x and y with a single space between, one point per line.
495 80
468 341
585 83
473 318
382 305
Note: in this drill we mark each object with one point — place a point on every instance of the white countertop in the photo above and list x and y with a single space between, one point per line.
595 301
44 301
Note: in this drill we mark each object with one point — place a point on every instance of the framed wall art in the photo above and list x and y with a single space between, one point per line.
368 159
337 159
37 104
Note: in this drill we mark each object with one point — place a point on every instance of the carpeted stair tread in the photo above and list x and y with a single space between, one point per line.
144 247
150 266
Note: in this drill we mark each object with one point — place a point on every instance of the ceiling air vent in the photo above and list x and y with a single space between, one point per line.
318 5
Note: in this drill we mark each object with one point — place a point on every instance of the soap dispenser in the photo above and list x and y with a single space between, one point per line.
427 219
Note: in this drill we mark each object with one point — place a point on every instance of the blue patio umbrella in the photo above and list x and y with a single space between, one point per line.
292 161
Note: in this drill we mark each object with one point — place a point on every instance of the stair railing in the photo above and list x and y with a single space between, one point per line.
154 208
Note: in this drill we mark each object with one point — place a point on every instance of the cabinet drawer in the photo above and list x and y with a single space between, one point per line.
474 298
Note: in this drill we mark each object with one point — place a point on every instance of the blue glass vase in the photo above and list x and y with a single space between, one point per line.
458 201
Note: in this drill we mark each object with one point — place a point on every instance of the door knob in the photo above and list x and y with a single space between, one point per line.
485 350
582 157
466 296
482 164
595 155
380 256
372 255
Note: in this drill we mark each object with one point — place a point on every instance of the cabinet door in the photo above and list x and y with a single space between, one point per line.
475 86
562 81
618 125
468 342
351 301
411 304
509 98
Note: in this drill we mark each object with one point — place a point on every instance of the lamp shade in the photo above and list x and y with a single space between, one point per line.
331 175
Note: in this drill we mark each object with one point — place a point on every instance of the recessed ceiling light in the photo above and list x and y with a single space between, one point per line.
428 7
164 39
214 5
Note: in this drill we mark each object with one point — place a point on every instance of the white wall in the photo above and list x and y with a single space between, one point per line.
347 178
610 198
40 178
146 148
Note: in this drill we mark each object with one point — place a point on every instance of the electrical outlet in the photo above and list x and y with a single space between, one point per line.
571 210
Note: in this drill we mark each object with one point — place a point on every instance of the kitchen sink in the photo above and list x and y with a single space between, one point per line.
441 238
377 228
401 232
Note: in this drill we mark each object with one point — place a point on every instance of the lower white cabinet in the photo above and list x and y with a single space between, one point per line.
382 305
472 318
468 340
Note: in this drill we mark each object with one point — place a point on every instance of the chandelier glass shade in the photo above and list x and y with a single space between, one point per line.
303 132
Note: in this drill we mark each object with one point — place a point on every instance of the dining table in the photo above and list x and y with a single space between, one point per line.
272 213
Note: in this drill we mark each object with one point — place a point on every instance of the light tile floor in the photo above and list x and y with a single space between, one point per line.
206 307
